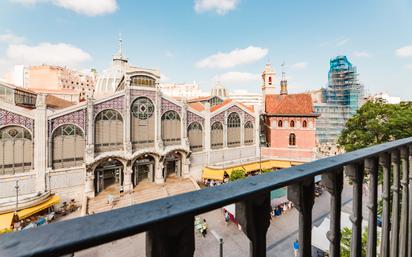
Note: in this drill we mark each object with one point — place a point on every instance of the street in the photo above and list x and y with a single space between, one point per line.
281 234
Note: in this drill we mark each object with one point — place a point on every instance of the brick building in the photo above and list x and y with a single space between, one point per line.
289 121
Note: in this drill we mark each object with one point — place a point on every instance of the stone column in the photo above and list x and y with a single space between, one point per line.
40 142
127 180
158 119
225 131
185 166
242 129
89 183
207 136
127 123
159 179
89 154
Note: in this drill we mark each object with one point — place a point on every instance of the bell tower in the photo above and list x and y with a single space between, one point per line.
268 77
283 82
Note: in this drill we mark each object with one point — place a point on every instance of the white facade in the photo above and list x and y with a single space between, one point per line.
247 98
184 90
74 151
387 98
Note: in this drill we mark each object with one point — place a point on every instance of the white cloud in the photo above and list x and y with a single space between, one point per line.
405 51
361 54
342 42
299 65
221 7
85 7
11 38
233 58
237 77
408 66
46 53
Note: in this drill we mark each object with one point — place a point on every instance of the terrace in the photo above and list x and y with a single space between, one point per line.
169 222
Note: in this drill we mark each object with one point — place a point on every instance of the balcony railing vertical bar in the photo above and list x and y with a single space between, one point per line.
253 215
371 168
152 217
333 183
403 235
355 173
302 195
173 238
395 163
384 162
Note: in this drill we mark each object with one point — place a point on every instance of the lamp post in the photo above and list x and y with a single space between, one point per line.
17 196
220 240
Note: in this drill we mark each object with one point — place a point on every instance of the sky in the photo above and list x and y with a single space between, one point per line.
206 41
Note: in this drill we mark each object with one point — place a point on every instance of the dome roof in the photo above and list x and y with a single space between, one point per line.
109 79
219 90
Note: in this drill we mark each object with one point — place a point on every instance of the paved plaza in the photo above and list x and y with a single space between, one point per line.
281 234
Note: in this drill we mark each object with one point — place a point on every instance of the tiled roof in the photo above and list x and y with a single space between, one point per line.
199 99
218 106
56 102
293 104
249 107
197 106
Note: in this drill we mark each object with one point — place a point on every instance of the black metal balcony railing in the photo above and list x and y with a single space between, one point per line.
169 222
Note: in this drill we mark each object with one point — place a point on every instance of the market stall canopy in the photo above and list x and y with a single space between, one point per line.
6 218
218 174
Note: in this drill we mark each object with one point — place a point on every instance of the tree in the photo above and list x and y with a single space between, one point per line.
345 242
376 122
237 174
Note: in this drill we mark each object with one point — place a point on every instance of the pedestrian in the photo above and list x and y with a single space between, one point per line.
296 248
227 217
204 228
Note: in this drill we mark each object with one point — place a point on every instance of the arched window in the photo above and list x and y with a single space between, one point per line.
171 130
304 124
233 130
108 131
280 124
292 123
292 139
16 150
143 123
68 147
270 80
216 135
144 81
249 133
195 135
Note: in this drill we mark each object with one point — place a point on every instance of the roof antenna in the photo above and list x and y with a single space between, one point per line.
120 45
283 70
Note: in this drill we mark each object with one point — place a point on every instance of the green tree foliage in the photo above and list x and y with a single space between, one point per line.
266 170
237 174
345 241
377 122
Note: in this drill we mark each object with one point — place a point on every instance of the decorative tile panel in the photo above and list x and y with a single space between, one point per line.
191 117
115 104
219 117
249 117
234 109
77 118
11 118
169 106
138 93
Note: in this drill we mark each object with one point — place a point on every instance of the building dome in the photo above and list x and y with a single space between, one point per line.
109 79
219 90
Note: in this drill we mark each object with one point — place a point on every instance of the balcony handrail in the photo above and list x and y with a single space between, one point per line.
85 232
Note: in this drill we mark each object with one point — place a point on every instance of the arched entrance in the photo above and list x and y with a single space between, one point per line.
109 176
143 169
172 164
